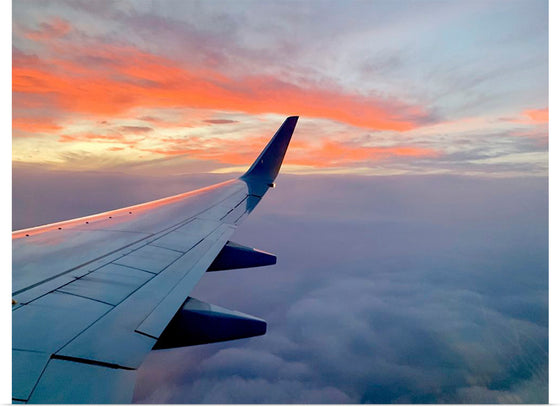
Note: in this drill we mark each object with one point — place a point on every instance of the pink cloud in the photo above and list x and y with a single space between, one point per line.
537 115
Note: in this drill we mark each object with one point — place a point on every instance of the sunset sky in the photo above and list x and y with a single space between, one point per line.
382 87
411 215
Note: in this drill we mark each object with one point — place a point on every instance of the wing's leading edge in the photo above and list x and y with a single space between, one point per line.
94 295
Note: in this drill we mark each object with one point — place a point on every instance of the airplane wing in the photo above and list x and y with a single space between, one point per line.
92 296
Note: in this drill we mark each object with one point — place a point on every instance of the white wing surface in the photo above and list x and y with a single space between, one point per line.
92 296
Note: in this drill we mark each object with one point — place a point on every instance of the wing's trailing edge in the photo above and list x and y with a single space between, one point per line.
267 165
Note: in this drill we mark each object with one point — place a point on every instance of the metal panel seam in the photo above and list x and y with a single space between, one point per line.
83 296
130 267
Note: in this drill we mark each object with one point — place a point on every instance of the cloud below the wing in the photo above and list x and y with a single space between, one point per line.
384 293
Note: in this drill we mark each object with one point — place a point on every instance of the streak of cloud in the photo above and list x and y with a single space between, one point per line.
220 121
124 78
35 125
49 30
537 115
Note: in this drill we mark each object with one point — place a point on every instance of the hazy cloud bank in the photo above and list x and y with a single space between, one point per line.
387 290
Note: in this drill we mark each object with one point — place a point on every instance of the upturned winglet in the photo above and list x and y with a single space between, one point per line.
266 166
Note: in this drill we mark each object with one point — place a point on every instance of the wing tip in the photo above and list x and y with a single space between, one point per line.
291 120
267 165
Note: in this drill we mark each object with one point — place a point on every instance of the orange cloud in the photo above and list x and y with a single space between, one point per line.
537 115
530 116
235 152
57 27
92 137
35 125
328 154
110 81
220 121
65 138
335 154
161 123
